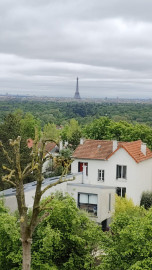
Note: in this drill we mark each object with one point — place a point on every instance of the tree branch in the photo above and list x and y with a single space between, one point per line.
5 153
39 220
7 169
8 181
60 181
26 168
43 205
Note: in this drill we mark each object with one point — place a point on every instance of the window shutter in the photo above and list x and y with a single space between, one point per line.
124 172
99 174
117 171
103 175
78 166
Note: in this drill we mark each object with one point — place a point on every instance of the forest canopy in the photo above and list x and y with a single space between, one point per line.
61 112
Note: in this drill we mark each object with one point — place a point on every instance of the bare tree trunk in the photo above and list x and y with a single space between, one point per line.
26 246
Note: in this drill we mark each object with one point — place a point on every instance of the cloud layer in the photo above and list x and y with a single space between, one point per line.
45 45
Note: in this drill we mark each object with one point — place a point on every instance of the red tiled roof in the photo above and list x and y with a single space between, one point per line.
99 149
49 146
29 143
93 149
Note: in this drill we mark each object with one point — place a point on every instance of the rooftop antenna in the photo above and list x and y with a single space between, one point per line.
77 95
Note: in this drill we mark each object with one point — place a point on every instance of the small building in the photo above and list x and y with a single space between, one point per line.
51 150
126 166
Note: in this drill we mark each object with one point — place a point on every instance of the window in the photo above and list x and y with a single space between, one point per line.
88 202
121 172
121 191
80 167
101 175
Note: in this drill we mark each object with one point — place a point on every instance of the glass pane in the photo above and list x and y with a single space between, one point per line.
99 174
86 164
124 171
83 198
93 199
80 166
123 192
118 191
119 171
103 175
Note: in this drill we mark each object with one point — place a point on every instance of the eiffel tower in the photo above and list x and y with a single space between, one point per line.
77 95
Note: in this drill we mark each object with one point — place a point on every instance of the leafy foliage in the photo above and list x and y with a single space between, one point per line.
66 239
16 124
106 129
72 133
84 112
51 132
146 199
10 245
129 244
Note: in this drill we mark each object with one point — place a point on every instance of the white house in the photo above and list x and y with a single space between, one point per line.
100 168
127 166
51 149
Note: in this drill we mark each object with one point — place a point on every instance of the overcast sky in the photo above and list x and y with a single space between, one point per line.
46 44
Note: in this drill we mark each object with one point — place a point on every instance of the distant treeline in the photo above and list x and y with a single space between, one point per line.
61 112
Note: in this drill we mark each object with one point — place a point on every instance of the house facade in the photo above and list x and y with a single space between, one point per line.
126 166
101 169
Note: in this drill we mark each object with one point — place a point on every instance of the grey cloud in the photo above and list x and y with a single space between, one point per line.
46 44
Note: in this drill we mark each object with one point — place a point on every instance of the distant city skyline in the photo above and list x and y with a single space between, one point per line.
45 45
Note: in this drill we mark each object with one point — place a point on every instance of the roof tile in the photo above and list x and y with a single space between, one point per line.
103 149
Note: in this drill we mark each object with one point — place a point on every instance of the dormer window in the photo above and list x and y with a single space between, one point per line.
121 172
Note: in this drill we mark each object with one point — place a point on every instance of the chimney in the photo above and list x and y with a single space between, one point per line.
81 140
60 145
115 145
143 148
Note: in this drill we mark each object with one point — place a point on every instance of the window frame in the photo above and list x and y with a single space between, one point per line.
123 190
101 175
88 205
80 165
120 171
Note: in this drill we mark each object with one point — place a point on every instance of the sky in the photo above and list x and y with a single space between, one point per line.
46 44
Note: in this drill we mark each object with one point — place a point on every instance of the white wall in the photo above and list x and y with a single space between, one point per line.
11 203
139 175
72 188
103 198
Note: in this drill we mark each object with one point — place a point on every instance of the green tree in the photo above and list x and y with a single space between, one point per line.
146 199
72 133
66 239
129 244
51 132
17 124
106 129
28 123
98 129
15 175
10 246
